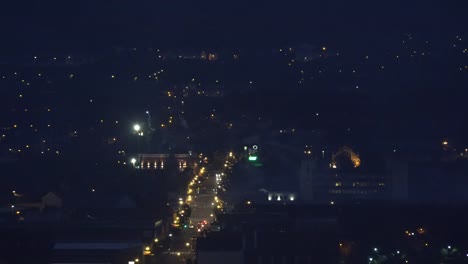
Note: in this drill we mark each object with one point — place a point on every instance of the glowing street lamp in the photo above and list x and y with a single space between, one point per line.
137 129
133 161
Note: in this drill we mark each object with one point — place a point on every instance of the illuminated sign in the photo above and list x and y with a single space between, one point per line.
252 158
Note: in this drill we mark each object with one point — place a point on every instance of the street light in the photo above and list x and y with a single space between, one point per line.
133 161
137 128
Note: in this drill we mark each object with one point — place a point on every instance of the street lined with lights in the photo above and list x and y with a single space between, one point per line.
200 202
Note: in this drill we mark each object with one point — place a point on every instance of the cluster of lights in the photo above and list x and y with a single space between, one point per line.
419 231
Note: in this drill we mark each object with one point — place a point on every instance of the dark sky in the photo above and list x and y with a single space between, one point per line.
35 24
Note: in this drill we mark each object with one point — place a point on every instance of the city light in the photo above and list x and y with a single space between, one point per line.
252 158
136 127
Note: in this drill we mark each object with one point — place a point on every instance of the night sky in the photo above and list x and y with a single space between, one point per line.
90 24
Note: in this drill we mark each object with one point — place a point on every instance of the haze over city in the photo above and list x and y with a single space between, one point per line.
233 132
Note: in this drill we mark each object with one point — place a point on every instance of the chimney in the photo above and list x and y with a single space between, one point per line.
244 242
255 239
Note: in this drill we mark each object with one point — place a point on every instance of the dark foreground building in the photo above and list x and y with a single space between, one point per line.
267 247
271 235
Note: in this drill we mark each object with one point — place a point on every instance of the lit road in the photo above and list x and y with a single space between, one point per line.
202 205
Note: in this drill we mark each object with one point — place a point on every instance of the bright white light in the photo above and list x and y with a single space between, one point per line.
136 127
375 249
133 161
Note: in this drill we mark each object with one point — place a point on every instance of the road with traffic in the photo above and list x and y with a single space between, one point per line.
201 197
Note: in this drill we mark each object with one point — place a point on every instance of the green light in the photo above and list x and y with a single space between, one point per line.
252 158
